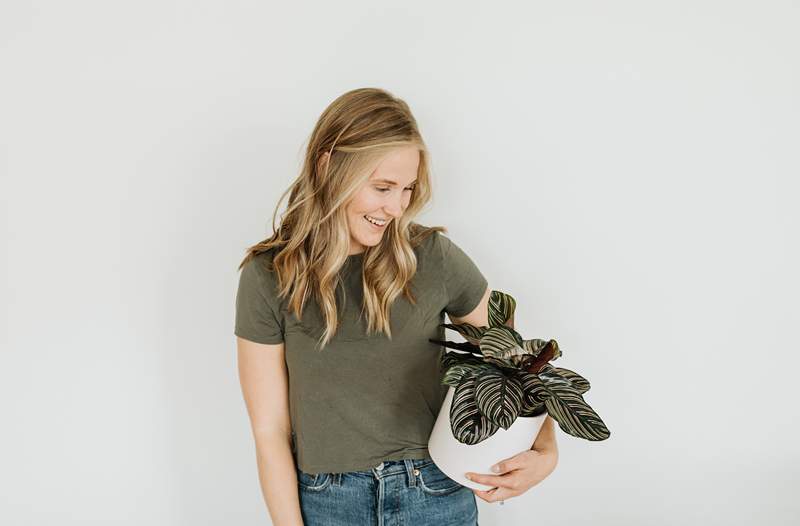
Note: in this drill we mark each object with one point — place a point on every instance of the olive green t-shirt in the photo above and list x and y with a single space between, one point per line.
363 400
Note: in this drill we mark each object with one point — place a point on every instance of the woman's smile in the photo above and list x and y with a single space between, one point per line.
377 228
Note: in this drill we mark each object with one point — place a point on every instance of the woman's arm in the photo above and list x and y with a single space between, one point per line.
546 439
479 317
265 386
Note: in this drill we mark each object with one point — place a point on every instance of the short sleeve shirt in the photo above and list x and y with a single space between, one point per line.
363 399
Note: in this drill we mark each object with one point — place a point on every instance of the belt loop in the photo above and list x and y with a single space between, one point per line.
337 479
410 471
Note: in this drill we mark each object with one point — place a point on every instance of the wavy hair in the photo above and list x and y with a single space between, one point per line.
312 242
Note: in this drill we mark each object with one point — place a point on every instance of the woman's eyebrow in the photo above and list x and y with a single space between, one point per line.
389 181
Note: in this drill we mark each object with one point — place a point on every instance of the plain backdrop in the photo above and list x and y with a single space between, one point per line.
627 170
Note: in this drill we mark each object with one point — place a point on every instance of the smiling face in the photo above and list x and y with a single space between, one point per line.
384 197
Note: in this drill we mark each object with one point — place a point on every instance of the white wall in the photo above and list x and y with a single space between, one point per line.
627 170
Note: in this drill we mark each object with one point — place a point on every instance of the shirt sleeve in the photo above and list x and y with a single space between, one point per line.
464 282
258 316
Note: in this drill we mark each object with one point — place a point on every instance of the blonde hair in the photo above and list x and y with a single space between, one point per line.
312 243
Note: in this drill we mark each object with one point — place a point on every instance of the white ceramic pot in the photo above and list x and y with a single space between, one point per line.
455 458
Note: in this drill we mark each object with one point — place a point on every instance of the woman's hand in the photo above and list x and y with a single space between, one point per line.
517 474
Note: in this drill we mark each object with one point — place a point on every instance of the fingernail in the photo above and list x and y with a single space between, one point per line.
469 477
496 468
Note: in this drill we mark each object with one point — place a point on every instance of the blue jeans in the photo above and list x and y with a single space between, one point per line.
409 492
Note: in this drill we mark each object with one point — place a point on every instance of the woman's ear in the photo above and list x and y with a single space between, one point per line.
323 162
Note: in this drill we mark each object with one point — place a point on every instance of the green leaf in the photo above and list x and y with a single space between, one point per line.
535 346
461 346
471 333
570 410
450 358
501 308
499 397
579 383
532 410
468 424
499 346
533 388
458 366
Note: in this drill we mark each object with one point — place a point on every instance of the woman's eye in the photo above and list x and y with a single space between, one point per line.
387 189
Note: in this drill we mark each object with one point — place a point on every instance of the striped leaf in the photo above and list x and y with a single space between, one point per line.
499 397
514 334
455 374
535 346
460 346
570 410
532 410
470 333
501 309
468 424
534 394
533 388
458 369
450 358
579 383
499 345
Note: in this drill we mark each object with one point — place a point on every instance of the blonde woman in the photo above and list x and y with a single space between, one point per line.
333 316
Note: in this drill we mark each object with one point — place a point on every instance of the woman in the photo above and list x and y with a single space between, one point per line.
333 316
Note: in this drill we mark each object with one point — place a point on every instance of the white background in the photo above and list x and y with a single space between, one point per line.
627 170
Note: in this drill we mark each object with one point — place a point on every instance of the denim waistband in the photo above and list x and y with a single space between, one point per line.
392 467
395 466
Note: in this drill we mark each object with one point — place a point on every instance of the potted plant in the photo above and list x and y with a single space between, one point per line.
502 387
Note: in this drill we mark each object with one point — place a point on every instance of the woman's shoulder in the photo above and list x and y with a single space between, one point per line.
258 265
435 244
426 240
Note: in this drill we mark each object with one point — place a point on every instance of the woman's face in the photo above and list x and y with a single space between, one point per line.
384 197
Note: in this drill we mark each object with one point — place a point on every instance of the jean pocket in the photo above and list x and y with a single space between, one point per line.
433 481
313 481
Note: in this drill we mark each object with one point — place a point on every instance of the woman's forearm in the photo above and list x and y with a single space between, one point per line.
546 439
278 479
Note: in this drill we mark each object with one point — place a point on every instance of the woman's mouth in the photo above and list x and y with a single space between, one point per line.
377 227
